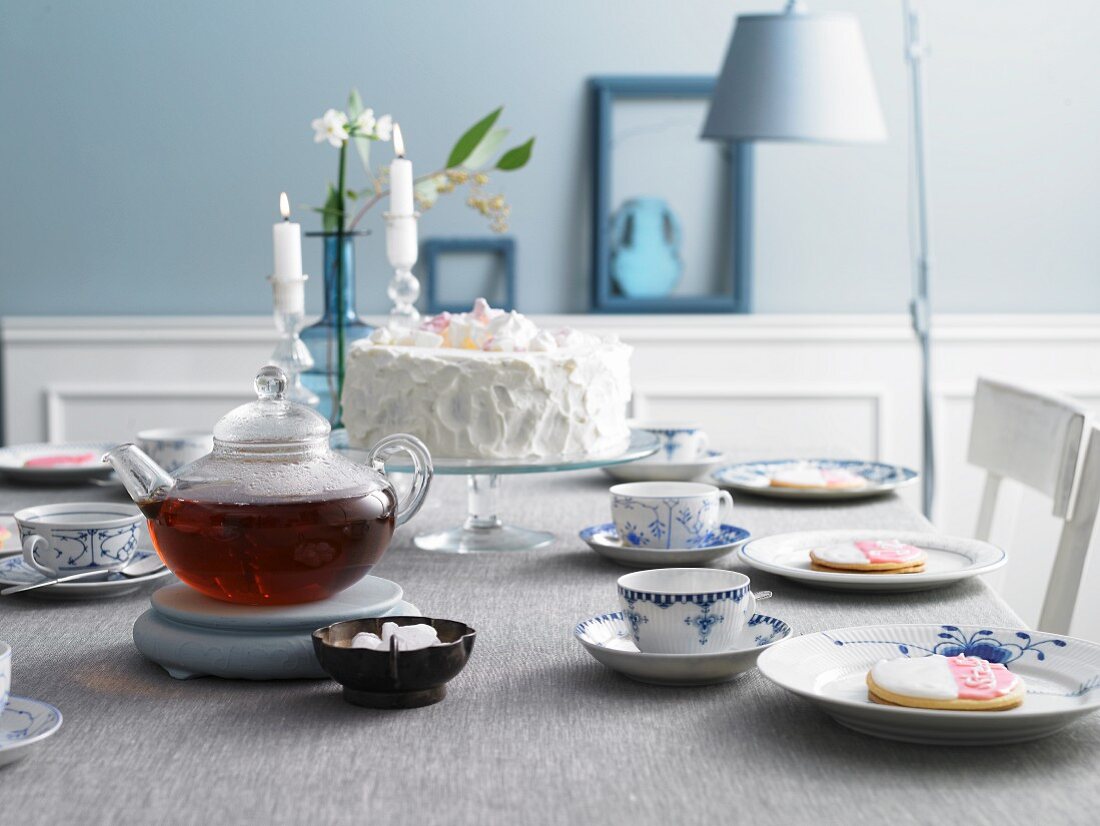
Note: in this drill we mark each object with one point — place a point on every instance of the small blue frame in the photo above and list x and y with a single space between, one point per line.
738 299
433 248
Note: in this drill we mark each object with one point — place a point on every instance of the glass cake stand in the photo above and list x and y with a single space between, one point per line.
483 529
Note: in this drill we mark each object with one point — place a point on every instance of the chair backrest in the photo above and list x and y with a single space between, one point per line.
1073 545
1035 438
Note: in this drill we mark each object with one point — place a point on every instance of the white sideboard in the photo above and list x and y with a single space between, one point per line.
763 385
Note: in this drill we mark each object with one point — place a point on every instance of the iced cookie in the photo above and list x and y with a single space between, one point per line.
869 556
812 478
954 683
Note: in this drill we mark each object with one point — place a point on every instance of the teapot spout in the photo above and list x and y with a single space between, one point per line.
145 480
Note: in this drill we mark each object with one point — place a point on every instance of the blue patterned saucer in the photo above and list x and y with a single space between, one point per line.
23 723
755 477
607 637
1061 675
604 540
15 571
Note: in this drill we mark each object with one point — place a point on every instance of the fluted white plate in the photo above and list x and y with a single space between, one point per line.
13 463
1061 675
950 559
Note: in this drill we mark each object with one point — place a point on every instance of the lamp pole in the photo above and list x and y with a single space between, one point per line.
919 308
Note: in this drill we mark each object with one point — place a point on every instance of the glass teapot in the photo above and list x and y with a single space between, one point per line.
273 516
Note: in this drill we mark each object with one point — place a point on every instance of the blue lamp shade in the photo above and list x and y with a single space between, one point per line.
796 77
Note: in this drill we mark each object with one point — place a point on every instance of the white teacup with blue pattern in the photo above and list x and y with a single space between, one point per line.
66 538
5 674
172 448
679 442
670 515
685 610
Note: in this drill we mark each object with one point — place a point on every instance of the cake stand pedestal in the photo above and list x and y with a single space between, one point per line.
190 635
483 529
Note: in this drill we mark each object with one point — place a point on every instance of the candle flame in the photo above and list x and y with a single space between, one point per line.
284 206
398 141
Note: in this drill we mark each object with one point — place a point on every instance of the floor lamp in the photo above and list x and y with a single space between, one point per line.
797 76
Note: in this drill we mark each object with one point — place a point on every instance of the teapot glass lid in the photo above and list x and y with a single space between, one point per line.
272 420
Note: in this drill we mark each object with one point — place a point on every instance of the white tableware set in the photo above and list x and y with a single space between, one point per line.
23 722
77 550
666 523
684 454
682 626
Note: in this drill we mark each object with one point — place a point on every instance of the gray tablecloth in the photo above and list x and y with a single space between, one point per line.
534 731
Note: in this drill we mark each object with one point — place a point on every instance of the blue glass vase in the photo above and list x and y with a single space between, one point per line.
326 377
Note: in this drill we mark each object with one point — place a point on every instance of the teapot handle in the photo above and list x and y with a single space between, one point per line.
421 464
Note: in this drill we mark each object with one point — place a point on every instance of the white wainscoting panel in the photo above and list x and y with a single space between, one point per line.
762 385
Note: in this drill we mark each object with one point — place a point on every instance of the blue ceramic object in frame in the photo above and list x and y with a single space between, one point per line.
645 248
435 248
736 296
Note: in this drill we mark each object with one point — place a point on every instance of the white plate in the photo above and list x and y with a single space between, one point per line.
605 541
13 459
15 571
649 470
23 724
950 559
755 478
1061 674
607 638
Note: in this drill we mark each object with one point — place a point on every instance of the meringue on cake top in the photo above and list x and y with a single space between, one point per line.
490 384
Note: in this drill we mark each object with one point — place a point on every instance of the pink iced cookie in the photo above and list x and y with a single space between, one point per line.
961 682
60 460
812 478
870 555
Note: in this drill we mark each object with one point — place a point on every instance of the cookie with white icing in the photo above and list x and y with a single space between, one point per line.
959 683
869 556
814 478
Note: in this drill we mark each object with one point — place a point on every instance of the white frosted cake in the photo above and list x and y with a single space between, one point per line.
489 384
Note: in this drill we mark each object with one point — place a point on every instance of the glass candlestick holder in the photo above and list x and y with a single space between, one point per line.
404 287
291 354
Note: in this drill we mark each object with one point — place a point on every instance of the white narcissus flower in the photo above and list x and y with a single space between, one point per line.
364 124
332 127
384 127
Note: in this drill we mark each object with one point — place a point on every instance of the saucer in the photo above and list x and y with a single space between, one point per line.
755 478
1061 674
607 638
605 541
648 470
13 462
15 571
23 724
950 559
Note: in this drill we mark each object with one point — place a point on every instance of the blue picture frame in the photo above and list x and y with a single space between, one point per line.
604 91
433 249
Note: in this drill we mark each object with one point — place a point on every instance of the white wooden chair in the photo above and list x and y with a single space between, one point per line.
1035 439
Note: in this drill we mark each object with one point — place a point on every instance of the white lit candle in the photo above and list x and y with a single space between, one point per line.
401 177
288 245
287 281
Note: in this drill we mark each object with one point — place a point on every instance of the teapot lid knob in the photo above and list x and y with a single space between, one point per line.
271 383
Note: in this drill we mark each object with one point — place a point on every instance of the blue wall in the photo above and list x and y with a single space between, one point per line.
144 146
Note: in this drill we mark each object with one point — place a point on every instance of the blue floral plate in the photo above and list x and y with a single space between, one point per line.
604 540
24 723
1061 674
15 571
607 637
755 477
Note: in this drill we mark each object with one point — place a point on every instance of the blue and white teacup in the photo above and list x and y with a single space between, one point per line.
66 538
172 448
671 515
685 610
679 442
5 674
